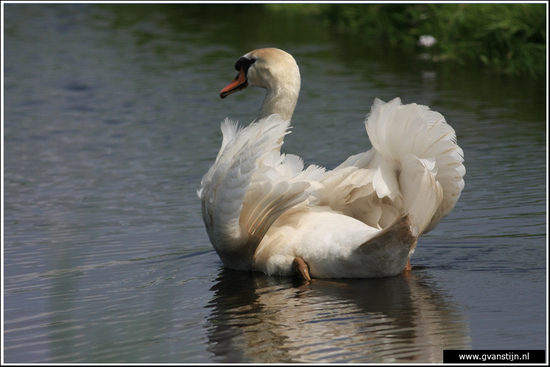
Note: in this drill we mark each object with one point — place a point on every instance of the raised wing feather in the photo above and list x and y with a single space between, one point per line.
249 186
414 168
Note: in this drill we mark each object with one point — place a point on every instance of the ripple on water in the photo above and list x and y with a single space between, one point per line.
384 320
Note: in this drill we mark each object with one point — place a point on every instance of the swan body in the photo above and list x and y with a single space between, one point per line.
264 211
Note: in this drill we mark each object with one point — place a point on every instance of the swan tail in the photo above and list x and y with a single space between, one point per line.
418 161
387 253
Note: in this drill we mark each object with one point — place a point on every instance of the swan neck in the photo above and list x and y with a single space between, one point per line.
280 99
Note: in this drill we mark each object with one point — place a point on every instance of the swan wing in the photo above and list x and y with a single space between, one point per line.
415 168
249 186
421 162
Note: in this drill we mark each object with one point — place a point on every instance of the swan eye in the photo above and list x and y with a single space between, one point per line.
244 63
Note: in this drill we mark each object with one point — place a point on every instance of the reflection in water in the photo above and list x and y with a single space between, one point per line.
401 319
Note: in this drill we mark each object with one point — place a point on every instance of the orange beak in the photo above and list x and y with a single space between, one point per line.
239 83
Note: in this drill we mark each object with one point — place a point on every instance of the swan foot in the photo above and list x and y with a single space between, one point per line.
300 268
407 271
408 267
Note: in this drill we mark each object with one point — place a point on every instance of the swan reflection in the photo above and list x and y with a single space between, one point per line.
256 318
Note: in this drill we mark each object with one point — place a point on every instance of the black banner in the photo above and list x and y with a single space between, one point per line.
494 356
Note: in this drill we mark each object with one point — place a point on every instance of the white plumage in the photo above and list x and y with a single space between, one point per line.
263 211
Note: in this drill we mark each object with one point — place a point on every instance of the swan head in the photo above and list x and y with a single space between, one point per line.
272 69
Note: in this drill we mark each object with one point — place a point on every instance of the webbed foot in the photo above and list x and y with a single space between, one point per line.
300 268
407 271
408 266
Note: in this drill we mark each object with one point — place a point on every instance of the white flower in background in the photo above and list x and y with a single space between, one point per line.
427 41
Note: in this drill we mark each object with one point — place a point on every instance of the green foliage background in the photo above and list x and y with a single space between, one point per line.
503 38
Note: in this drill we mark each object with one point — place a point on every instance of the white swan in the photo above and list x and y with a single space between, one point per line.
263 211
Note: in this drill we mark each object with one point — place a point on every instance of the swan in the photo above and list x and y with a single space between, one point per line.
263 211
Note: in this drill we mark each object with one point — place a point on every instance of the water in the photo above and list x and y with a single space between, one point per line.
112 117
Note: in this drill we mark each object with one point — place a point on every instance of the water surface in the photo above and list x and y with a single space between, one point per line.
112 117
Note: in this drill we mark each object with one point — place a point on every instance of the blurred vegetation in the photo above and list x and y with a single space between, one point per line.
504 38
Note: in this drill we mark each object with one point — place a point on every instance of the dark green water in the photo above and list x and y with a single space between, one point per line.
112 117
